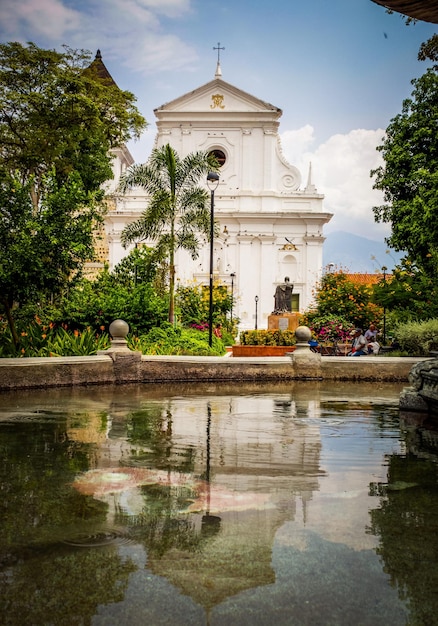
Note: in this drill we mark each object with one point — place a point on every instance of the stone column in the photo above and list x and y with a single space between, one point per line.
307 364
126 362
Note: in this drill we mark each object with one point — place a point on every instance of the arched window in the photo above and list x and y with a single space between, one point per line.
220 156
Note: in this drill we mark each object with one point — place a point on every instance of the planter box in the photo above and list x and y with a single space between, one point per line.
262 350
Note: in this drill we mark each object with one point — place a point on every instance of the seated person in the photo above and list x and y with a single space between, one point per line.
359 346
371 337
313 345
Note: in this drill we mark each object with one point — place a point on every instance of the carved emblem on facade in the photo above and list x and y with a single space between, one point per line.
218 100
288 246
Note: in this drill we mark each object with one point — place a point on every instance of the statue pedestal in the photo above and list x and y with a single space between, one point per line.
284 321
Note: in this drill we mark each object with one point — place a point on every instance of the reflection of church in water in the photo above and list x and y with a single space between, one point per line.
271 225
268 453
260 453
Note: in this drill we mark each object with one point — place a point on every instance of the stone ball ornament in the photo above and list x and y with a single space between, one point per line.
119 329
303 334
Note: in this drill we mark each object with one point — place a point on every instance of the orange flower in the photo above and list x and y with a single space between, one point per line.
76 333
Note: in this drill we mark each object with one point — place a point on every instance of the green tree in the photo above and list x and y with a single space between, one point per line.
408 293
42 248
139 266
59 120
59 111
177 214
409 177
429 50
337 296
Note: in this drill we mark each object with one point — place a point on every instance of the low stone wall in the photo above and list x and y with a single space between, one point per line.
38 372
123 367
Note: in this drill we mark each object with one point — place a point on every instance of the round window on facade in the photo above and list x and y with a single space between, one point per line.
220 156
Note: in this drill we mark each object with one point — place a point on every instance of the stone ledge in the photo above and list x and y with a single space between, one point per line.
40 372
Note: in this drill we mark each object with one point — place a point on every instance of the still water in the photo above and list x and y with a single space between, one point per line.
298 504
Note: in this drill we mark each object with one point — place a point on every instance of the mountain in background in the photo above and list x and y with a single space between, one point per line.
353 254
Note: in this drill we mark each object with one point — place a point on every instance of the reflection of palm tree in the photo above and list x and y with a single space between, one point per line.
177 212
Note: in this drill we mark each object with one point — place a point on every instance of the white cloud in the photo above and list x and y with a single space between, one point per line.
157 53
129 31
295 143
37 19
170 8
341 171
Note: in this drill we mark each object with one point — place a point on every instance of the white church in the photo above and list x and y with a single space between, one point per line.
270 222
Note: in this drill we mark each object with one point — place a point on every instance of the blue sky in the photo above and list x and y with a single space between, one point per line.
338 69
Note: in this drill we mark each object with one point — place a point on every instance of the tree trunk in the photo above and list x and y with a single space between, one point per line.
11 323
172 293
172 275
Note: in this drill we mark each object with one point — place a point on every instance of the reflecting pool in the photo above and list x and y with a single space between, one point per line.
295 504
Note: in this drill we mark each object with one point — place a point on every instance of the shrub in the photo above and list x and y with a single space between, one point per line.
328 327
267 338
193 305
418 338
176 341
94 305
38 339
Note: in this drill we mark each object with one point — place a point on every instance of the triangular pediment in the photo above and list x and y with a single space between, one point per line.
218 95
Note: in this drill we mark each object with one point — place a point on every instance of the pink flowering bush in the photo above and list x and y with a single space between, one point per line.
328 328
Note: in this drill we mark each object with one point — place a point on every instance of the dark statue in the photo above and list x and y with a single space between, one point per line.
283 298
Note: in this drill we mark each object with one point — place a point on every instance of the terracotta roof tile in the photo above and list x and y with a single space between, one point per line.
365 279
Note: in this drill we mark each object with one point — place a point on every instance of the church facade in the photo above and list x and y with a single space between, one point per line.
271 225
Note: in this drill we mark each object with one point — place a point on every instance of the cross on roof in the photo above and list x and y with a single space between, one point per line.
218 48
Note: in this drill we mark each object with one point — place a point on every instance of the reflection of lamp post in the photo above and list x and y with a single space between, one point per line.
210 524
384 269
256 302
212 182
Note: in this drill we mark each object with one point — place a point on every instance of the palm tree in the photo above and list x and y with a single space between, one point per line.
177 214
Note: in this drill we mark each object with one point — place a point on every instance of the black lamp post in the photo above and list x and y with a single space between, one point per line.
256 303
233 276
384 269
212 182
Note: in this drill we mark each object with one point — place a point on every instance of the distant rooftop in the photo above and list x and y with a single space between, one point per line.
426 10
366 279
101 70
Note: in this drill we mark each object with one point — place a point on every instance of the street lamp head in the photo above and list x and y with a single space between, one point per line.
212 180
233 275
256 298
